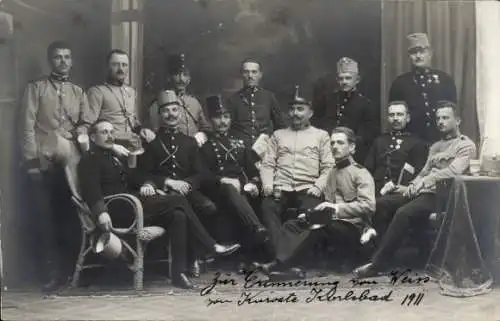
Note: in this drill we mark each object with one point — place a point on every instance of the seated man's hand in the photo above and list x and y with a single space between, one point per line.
232 181
325 205
148 135
119 150
401 189
147 190
181 187
104 221
267 190
251 189
201 138
314 191
388 188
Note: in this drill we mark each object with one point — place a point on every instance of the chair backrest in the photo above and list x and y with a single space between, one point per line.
83 210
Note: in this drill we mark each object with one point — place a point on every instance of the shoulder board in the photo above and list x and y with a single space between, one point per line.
39 79
357 165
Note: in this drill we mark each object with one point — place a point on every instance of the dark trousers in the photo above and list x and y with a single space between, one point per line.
175 215
236 210
55 224
201 204
286 238
406 213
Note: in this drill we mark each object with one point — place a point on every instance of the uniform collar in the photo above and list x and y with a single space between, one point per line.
451 136
250 90
58 77
421 71
170 130
114 82
398 133
218 135
343 163
305 127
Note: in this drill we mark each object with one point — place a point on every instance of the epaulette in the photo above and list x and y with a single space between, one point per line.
41 78
357 165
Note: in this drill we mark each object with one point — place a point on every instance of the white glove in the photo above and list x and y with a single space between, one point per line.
251 189
119 150
368 235
147 190
148 135
388 187
201 138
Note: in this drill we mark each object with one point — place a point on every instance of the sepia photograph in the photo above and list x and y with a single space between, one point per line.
250 160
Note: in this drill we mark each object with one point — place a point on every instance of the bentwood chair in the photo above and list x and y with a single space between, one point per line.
140 234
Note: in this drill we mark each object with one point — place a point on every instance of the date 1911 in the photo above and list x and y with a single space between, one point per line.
413 299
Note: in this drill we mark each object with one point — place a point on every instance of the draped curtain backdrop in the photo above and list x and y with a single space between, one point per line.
451 29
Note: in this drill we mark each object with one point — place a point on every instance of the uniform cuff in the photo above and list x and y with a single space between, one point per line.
32 163
98 208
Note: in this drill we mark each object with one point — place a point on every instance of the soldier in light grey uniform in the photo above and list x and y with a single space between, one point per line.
296 166
350 192
193 121
52 108
448 157
116 102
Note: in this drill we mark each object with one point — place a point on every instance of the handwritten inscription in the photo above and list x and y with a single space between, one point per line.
256 290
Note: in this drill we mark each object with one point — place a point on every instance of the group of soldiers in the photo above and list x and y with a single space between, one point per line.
279 182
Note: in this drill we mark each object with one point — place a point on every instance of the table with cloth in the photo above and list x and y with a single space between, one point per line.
465 258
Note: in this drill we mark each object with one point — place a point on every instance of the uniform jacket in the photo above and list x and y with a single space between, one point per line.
351 186
421 89
50 106
192 118
390 152
172 155
448 158
297 159
254 113
116 104
352 110
226 156
101 173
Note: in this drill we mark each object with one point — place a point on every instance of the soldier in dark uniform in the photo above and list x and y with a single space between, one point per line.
422 88
234 179
193 121
412 204
254 110
53 109
173 160
101 173
347 107
395 151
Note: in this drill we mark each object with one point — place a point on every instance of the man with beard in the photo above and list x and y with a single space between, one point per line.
53 110
102 174
116 102
232 174
192 118
422 88
294 171
254 110
347 107
396 157
447 158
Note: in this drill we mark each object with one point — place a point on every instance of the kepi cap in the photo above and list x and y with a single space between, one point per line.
167 98
346 64
418 40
